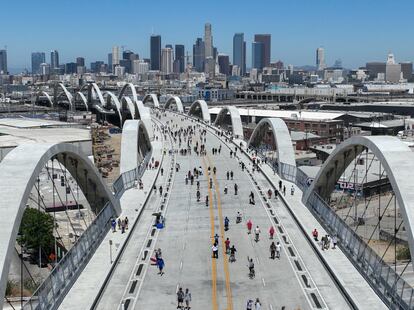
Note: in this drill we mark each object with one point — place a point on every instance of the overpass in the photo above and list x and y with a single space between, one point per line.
118 273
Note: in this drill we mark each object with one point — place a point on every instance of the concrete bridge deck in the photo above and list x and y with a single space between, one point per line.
298 280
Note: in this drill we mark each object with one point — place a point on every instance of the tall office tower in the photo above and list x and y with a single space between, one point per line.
257 55
54 59
224 64
239 52
110 62
155 52
198 55
37 59
266 40
407 70
129 55
80 62
392 70
167 60
115 56
168 46
180 57
208 41
320 59
96 66
3 62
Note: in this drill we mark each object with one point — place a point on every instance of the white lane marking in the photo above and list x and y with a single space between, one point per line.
181 265
264 283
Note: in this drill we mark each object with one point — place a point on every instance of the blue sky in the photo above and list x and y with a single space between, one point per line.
354 30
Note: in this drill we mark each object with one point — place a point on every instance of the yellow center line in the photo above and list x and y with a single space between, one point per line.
225 260
213 261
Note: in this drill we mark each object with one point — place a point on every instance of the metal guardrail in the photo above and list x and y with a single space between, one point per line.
393 289
53 289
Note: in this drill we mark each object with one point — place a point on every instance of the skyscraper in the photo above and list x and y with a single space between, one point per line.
3 61
37 59
110 62
179 57
320 59
155 52
239 52
115 56
224 64
257 55
54 60
208 41
198 55
266 40
80 61
167 59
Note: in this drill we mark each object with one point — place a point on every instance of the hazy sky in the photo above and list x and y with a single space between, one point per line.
354 30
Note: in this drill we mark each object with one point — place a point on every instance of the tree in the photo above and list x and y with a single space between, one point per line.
36 230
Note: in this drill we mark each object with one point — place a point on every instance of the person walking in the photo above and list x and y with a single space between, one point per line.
249 305
257 304
284 190
272 249
249 226
233 251
271 232
180 298
257 233
187 299
198 196
269 193
126 222
231 174
292 190
228 175
334 241
206 200
216 239
160 265
214 248
226 223
278 249
227 243
280 185
236 187
315 234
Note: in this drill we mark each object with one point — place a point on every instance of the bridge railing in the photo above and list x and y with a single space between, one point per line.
393 289
51 292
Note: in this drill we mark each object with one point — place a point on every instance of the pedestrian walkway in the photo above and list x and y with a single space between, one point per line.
87 286
350 278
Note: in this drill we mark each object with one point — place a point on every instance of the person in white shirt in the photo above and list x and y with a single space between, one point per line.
278 249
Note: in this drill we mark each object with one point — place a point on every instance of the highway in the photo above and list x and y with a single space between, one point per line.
298 280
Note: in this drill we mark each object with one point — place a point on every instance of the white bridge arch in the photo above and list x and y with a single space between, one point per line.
153 98
83 98
43 93
18 174
396 158
135 144
281 138
236 123
177 101
199 108
132 89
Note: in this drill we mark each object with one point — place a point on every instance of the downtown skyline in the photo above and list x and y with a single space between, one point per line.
296 33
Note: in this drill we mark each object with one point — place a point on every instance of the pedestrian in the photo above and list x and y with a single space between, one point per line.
328 242
275 193
233 251
269 193
280 185
187 299
162 171
226 223
257 233
257 304
334 241
119 223
236 187
216 239
214 248
198 196
228 175
160 264
249 305
271 232
272 250
180 298
323 243
284 190
227 243
160 189
231 174
249 226
292 190
206 200
278 249
113 225
225 190
315 234
122 226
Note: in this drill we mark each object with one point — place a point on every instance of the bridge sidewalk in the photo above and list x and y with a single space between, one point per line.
349 277
86 288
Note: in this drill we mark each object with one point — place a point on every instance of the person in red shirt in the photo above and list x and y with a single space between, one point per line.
271 232
227 243
249 226
315 234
